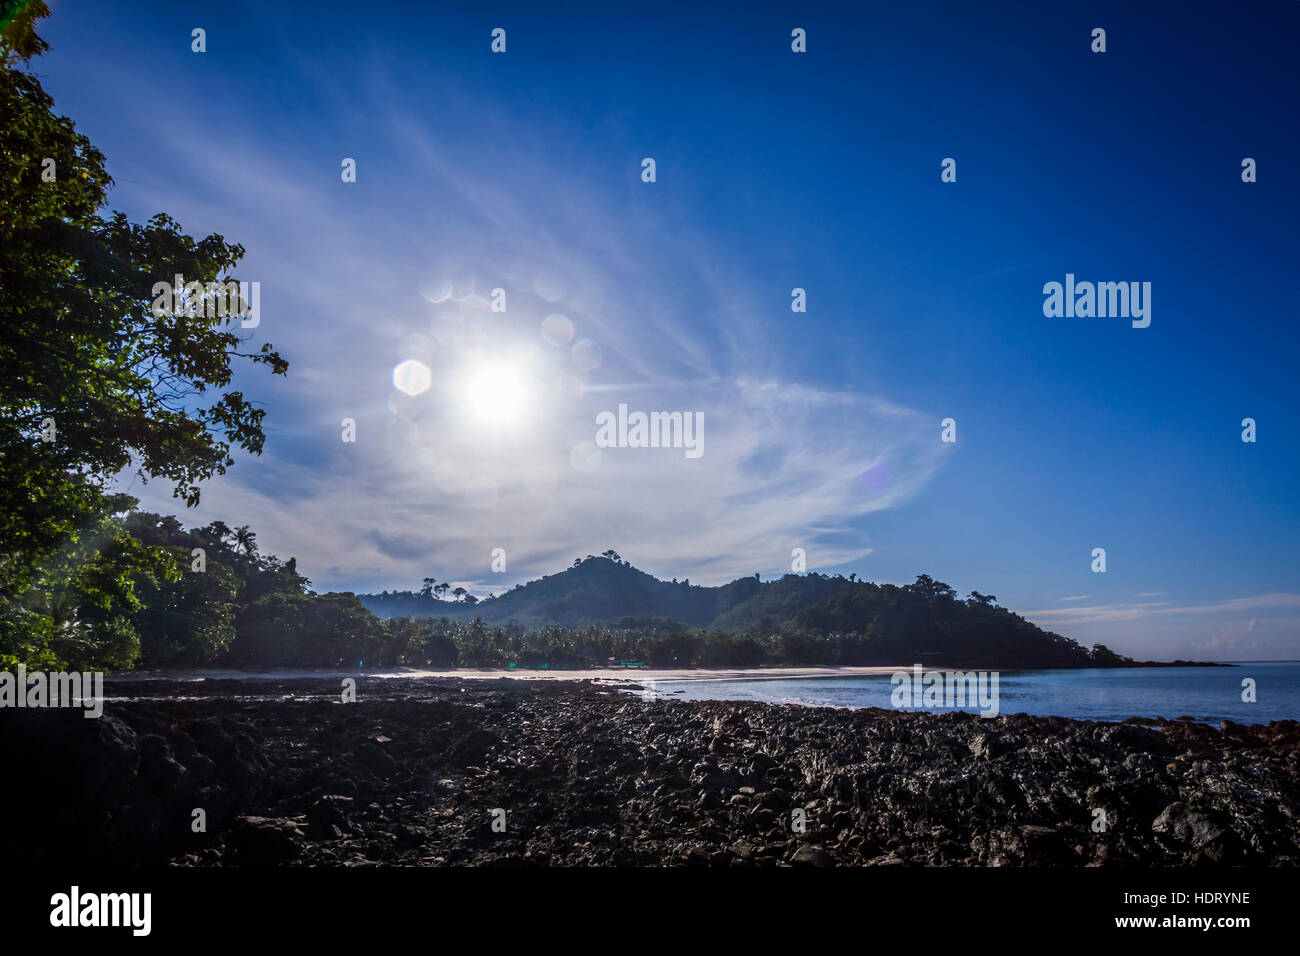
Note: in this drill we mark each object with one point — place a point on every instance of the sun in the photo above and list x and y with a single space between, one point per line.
496 392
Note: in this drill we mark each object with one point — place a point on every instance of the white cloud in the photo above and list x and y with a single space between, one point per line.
1135 612
427 488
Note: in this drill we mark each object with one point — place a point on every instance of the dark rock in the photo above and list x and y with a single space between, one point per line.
1183 824
472 749
330 810
808 855
373 757
286 777
263 841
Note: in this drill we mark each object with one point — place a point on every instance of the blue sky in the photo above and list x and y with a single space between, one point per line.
775 170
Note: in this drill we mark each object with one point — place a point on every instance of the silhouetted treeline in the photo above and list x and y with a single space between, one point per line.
797 619
216 600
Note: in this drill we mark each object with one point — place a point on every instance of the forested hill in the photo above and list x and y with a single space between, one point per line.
596 590
919 621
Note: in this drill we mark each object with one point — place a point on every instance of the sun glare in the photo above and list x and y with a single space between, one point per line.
496 392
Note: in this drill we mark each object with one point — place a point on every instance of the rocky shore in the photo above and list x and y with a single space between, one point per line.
453 772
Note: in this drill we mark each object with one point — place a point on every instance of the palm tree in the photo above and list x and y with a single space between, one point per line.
245 540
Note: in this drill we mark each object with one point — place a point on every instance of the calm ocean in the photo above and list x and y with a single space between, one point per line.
1205 693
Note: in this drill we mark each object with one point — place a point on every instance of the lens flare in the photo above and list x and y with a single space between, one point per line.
412 377
557 329
586 355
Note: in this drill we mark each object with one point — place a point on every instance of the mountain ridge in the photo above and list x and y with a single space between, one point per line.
922 620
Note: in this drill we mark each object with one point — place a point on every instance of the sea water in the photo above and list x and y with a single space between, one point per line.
1208 694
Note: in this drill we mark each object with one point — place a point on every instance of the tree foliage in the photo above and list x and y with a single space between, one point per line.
92 382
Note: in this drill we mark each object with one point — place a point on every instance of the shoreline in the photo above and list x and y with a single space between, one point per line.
606 674
596 674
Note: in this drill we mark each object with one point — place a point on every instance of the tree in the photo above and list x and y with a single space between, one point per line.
476 646
1101 654
929 588
440 650
429 584
307 630
245 541
80 611
219 531
189 621
92 382
459 593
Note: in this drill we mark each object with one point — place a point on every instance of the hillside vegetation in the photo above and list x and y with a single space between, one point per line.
810 618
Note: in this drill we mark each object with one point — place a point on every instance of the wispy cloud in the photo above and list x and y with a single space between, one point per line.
354 283
1135 612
